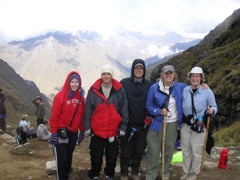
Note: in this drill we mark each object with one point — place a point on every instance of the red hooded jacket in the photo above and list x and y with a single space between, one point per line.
63 108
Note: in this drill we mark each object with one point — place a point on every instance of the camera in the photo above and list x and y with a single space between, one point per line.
187 119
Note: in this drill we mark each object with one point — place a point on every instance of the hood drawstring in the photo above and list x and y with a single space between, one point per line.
138 83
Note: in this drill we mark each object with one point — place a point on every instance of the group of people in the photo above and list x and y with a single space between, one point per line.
42 129
116 114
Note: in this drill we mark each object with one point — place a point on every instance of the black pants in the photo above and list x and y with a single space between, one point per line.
97 147
3 124
39 121
132 152
63 155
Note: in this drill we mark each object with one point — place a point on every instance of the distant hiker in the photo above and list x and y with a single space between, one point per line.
27 126
106 116
65 122
40 109
136 88
2 92
196 102
164 99
3 113
42 131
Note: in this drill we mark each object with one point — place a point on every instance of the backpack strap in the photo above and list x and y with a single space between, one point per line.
74 113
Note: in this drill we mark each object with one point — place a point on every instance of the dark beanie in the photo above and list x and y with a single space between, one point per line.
70 93
74 76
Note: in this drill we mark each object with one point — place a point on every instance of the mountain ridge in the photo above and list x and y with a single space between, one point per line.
48 59
218 55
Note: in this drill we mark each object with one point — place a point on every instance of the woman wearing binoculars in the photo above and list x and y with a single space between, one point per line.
197 102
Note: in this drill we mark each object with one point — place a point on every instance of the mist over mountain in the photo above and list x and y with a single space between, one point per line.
175 50
47 59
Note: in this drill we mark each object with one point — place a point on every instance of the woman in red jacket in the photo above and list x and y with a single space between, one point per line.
67 112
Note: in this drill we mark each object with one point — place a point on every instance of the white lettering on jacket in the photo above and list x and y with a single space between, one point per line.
73 101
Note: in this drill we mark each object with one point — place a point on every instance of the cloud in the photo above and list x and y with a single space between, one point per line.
161 51
27 18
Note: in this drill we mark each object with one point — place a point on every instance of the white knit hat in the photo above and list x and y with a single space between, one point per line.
107 69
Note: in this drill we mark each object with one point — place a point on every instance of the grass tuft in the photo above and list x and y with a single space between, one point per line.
228 136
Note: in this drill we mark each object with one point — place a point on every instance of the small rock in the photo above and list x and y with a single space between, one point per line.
5 144
238 158
210 165
217 148
231 152
215 156
117 169
51 167
7 137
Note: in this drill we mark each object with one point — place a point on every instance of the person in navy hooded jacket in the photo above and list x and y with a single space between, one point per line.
67 111
136 87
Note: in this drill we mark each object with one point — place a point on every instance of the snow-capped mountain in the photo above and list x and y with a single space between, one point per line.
48 59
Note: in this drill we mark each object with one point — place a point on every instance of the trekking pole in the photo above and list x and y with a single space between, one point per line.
163 145
205 143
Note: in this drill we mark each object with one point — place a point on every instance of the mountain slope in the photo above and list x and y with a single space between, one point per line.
19 95
218 55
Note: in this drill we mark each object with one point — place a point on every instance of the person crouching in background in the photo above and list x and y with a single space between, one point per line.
42 131
27 127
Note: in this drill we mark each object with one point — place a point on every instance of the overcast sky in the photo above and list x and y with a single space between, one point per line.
21 19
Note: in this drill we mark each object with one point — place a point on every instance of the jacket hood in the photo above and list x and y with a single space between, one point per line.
135 62
66 86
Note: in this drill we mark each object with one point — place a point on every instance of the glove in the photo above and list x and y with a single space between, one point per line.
121 133
54 139
80 137
111 139
88 132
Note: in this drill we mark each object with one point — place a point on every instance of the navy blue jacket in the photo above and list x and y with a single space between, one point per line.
136 95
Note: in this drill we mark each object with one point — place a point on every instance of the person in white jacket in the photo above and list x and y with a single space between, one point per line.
42 131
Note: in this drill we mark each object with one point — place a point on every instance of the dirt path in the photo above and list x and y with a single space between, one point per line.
23 167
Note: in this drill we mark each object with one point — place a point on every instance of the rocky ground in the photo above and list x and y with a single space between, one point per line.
33 166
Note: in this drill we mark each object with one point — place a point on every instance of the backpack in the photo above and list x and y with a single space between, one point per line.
20 135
